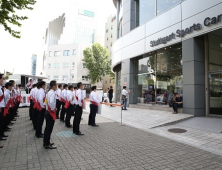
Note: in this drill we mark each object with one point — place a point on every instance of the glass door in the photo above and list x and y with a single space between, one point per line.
215 90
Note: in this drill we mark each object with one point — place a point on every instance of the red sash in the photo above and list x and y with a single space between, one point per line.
53 114
29 85
1 97
63 100
7 107
94 103
29 99
82 103
67 104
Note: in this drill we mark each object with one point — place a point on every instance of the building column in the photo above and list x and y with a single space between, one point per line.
127 75
116 86
193 76
117 18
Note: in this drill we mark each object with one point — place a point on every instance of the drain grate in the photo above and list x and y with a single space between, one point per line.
177 130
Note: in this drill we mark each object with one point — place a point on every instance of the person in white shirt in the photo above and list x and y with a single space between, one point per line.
13 97
41 112
58 100
50 115
31 101
63 102
94 102
79 109
2 106
124 97
35 110
29 86
70 105
18 98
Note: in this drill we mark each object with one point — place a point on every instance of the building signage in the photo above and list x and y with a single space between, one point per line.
86 13
181 33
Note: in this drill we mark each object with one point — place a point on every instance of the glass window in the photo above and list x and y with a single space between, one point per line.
84 65
147 10
111 27
111 36
64 77
85 78
57 53
65 65
158 76
49 65
56 65
50 53
73 65
72 76
56 77
66 53
48 77
164 5
74 52
107 30
111 44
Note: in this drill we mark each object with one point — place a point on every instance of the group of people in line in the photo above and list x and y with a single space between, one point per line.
10 97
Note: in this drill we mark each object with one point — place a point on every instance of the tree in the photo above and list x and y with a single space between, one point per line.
7 14
97 60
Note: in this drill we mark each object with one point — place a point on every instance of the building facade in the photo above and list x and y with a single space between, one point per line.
33 65
170 46
110 38
65 39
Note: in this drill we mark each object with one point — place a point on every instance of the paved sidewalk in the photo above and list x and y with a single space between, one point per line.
109 146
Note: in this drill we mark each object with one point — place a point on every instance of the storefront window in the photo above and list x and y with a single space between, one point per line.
164 5
147 10
158 75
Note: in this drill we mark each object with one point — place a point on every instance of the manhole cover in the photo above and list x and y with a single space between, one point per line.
67 134
177 130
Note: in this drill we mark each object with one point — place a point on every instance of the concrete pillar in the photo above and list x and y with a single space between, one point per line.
117 18
193 76
116 87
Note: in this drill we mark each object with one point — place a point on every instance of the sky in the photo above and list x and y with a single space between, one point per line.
15 54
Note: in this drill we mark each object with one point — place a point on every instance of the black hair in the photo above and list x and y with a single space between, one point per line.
7 85
124 87
75 88
93 88
111 86
30 80
59 85
175 94
65 85
34 85
70 87
52 83
79 84
12 81
41 83
1 75
19 85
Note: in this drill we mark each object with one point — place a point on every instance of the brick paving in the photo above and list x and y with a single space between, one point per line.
109 146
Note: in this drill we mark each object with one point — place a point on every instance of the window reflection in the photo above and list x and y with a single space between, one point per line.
163 5
147 10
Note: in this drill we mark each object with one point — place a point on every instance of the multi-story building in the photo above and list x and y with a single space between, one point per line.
170 46
110 38
66 38
33 64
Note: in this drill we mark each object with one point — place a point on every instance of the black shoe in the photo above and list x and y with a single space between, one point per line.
2 138
14 119
62 121
39 136
95 125
70 126
89 124
50 144
1 146
57 117
7 128
11 123
79 134
50 147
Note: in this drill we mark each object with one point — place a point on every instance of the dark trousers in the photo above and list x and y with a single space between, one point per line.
176 106
69 114
110 98
12 113
17 106
39 123
7 118
48 128
63 111
2 122
34 117
58 107
92 115
30 108
77 119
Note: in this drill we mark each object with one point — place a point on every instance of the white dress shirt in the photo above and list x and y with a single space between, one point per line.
2 103
70 97
79 96
75 100
31 93
29 85
14 94
64 94
93 98
34 92
7 95
125 92
58 94
51 100
41 97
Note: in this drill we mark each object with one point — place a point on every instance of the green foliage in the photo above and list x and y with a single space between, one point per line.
8 9
97 59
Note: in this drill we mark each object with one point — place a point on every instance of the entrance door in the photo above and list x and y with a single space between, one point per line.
215 93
